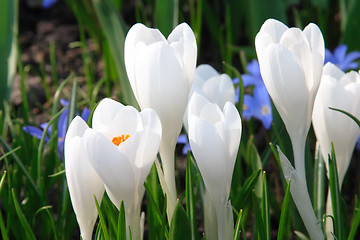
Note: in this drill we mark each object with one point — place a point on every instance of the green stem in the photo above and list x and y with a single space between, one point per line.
168 163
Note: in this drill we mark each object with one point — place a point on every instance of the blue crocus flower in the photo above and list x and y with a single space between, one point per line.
182 139
61 126
341 59
257 105
48 3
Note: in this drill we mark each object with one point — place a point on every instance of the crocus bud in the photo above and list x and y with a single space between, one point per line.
214 136
342 91
161 72
217 88
83 181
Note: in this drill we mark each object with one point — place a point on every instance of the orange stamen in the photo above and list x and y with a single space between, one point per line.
120 139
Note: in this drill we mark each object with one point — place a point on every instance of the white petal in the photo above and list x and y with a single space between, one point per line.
126 121
333 71
163 87
233 129
182 39
151 120
205 71
105 113
219 90
315 38
112 166
207 145
197 103
273 28
83 181
141 149
286 84
138 33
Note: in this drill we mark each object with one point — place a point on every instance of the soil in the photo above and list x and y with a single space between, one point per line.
38 28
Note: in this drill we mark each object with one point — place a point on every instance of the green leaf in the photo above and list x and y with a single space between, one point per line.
265 207
24 223
284 214
260 228
8 47
22 167
319 184
179 227
190 199
121 234
348 114
238 226
115 31
166 15
351 21
102 220
335 195
244 195
258 11
355 223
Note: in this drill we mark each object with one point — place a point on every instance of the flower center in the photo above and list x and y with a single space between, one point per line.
264 110
245 107
120 139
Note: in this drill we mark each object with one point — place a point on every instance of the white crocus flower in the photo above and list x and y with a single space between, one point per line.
122 147
217 88
214 136
341 91
291 63
83 182
161 72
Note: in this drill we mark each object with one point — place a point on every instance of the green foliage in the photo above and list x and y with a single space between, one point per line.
34 198
8 47
180 225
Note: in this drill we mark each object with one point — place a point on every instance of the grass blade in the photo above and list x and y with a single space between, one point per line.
24 223
190 200
115 31
180 226
22 167
8 47
238 226
355 223
121 234
284 215
102 221
335 195
319 184
166 15
244 195
260 228
265 206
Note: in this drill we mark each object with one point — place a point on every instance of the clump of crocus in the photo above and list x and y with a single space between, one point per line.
161 72
291 62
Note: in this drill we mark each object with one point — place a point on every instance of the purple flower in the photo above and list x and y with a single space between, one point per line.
257 105
182 139
341 59
61 126
48 3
